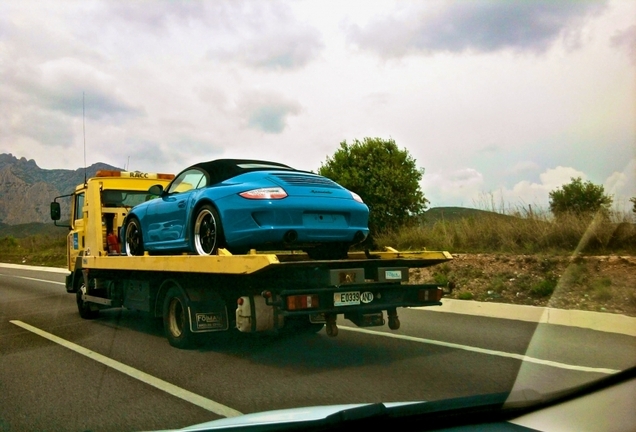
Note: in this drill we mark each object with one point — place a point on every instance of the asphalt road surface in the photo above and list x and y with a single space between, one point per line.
118 373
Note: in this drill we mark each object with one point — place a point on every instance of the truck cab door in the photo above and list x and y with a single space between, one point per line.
76 236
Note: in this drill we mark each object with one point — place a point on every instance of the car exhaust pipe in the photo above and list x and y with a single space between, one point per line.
290 236
359 237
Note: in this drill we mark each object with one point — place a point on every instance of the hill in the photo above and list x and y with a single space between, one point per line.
26 189
452 214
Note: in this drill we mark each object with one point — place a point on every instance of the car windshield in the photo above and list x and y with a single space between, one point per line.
459 221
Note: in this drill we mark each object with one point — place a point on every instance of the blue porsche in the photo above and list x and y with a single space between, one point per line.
246 204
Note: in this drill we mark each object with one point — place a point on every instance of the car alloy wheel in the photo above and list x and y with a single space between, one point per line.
134 240
206 231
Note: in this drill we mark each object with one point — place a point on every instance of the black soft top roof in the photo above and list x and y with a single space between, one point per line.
223 169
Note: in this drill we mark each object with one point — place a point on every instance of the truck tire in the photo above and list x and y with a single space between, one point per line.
175 320
133 243
207 231
84 308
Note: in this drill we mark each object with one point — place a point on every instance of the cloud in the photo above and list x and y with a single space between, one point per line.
266 35
484 26
263 35
520 167
622 185
280 49
462 186
468 187
626 39
156 16
536 194
268 112
45 127
58 85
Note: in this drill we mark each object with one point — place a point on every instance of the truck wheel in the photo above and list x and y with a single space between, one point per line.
133 243
207 231
176 322
84 308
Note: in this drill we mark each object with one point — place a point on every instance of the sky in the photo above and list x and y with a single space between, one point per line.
499 101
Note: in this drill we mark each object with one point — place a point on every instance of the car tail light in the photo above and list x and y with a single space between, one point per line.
265 193
297 302
356 197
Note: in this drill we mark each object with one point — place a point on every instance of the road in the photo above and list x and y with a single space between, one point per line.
118 373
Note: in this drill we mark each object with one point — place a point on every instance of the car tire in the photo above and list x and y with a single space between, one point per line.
175 320
207 231
133 241
84 308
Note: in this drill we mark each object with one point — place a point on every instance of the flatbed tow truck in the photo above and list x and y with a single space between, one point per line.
198 296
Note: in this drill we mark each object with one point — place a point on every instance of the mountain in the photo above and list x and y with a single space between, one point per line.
26 190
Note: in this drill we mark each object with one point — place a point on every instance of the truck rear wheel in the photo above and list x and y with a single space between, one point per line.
83 307
176 322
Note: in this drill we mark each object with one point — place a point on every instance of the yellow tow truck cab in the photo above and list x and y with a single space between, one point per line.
99 206
271 292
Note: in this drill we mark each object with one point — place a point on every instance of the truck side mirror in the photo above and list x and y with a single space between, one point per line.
55 211
156 190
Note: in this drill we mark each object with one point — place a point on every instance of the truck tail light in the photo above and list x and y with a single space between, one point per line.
297 302
429 295
272 193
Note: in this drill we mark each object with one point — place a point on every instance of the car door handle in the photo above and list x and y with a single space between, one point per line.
181 204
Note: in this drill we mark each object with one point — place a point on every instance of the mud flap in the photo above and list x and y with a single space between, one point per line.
208 317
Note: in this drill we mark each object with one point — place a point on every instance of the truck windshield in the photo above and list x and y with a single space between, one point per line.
123 198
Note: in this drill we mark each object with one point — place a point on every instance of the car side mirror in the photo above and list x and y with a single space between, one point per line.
155 190
55 211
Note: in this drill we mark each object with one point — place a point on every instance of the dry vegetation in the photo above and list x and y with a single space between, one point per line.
572 263
497 233
594 283
39 250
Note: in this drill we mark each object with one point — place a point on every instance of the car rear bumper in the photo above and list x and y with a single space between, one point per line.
292 221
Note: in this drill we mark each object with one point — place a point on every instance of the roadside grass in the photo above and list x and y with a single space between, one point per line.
41 250
518 234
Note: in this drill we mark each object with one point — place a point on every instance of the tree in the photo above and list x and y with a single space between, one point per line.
582 199
386 178
633 200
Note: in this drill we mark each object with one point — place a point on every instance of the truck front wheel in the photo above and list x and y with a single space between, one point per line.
175 320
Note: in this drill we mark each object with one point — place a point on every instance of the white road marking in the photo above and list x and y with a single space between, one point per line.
484 351
36 268
33 279
186 395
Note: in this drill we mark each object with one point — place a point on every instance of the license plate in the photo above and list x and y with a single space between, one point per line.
346 298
